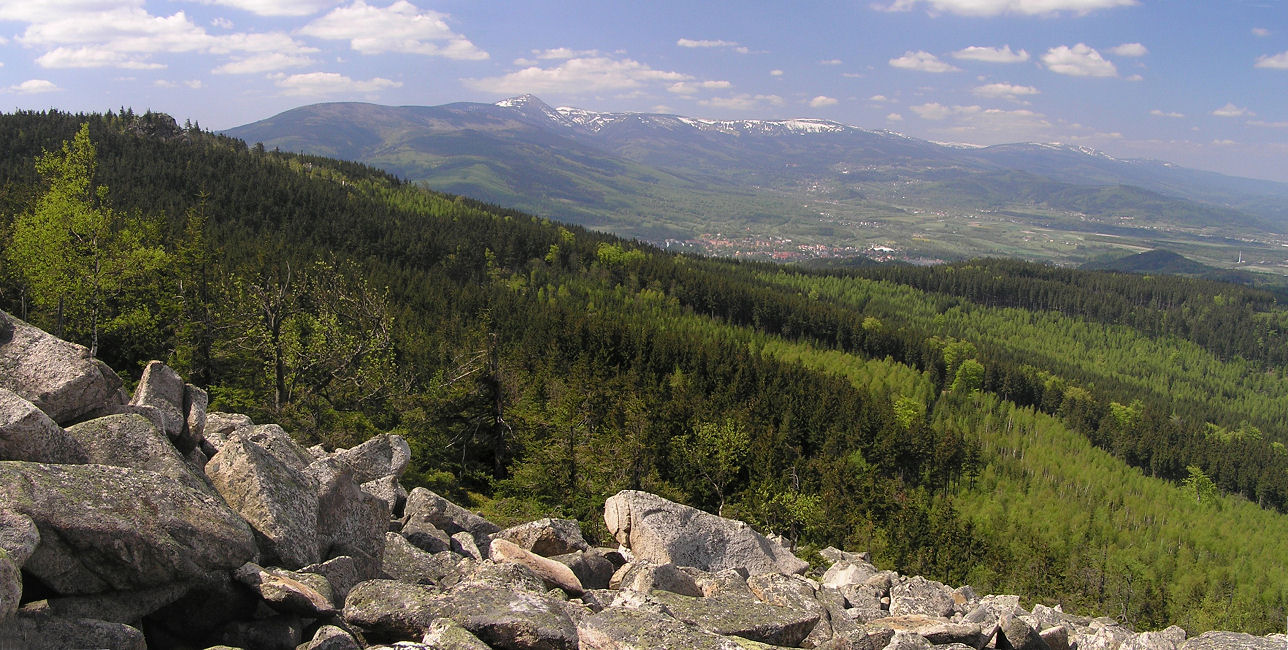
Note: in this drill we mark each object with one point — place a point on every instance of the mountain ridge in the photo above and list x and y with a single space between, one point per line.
806 181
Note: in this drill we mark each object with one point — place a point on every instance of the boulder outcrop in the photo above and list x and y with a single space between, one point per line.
58 377
663 531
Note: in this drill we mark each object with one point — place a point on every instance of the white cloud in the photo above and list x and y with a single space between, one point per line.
923 61
743 102
1161 113
129 29
996 7
1273 61
894 117
1129 49
314 84
259 63
194 84
1269 125
33 87
222 23
90 34
277 7
578 76
1079 61
936 111
821 101
1134 77
562 53
400 27
879 98
775 73
692 87
991 54
1260 32
831 62
47 10
689 42
702 43
1005 91
1230 110
92 57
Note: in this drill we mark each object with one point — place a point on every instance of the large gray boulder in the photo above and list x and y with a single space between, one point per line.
59 377
288 592
26 433
554 574
500 617
10 587
128 607
161 389
106 528
405 562
277 500
391 610
350 521
424 506
621 628
389 490
844 573
547 537
664 531
447 634
1233 641
42 630
646 577
279 444
917 595
131 440
591 567
1017 634
1168 639
746 618
19 535
381 456
796 593
218 425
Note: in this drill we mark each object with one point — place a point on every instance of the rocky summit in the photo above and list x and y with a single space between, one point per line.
144 521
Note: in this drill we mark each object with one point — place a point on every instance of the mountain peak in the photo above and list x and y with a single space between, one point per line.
531 107
526 100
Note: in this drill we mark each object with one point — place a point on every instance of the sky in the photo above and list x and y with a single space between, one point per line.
1201 83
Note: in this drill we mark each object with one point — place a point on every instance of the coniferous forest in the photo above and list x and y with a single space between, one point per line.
1111 442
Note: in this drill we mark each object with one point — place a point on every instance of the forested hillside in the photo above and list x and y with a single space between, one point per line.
1108 441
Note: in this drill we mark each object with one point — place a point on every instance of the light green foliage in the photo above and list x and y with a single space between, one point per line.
715 451
613 255
1126 416
89 267
957 352
908 410
969 377
787 512
1198 485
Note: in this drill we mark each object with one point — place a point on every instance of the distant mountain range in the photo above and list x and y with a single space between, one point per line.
796 185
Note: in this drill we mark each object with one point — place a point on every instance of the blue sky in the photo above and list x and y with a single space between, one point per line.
1199 83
